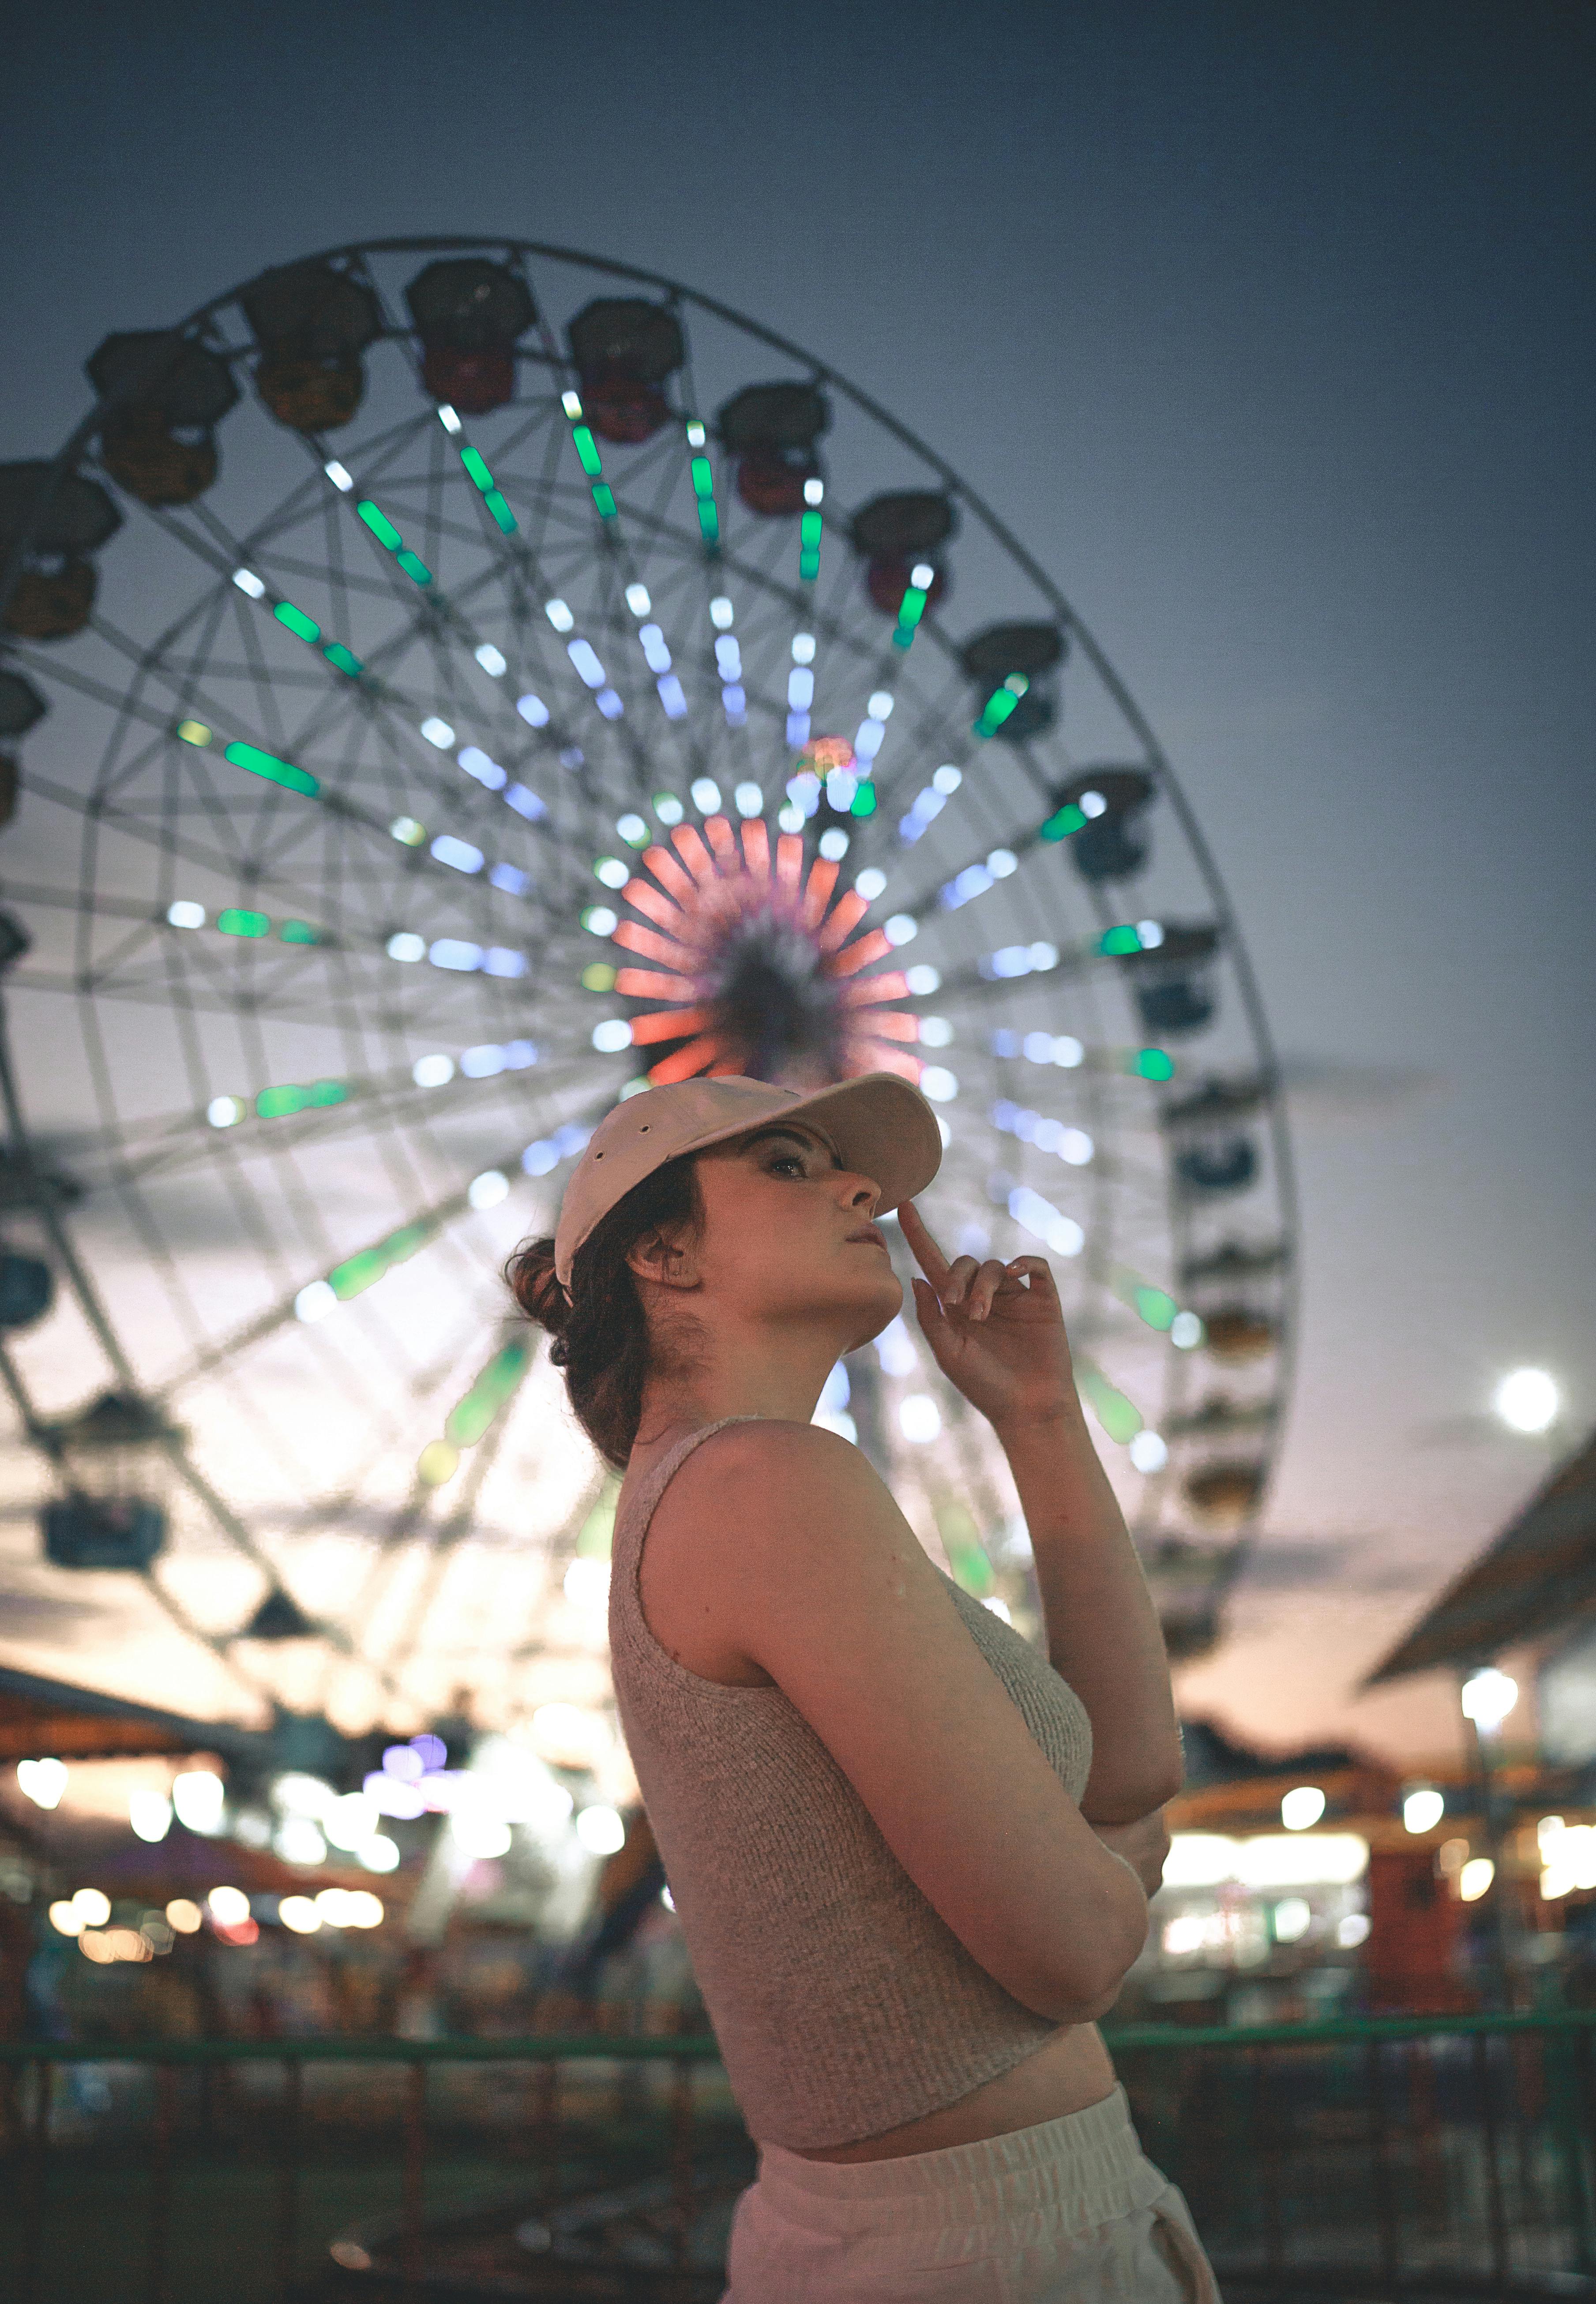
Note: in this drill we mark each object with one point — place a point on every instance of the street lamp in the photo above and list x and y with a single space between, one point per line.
1486 1697
1423 1807
1528 1400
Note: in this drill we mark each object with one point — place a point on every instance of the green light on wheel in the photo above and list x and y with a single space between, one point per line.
592 463
381 527
703 488
467 1423
1001 703
910 610
497 1384
1119 940
604 500
194 732
299 932
235 923
477 466
279 1103
274 771
358 1272
972 1568
1060 826
305 628
297 622
1152 1065
1155 1307
353 1277
864 800
1118 1418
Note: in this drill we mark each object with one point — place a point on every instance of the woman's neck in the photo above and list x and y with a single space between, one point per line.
737 1376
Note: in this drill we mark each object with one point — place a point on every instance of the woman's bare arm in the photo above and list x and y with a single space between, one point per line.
817 1576
1102 1627
998 1333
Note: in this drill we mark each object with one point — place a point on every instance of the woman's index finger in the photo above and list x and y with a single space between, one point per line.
927 1254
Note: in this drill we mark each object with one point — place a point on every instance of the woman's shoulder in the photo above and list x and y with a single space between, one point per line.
774 1463
750 1505
775 1448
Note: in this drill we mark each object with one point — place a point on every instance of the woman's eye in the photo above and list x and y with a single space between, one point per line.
788 1160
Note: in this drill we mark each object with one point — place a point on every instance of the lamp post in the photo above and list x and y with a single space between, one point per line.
1486 1697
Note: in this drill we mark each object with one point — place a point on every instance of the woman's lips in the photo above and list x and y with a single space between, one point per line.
871 1234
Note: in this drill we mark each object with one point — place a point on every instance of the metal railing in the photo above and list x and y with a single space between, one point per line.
1371 2159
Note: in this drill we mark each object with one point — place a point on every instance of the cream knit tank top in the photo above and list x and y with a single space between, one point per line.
843 2004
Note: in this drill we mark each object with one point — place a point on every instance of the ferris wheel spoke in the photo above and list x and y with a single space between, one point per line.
315 1300
293 995
224 808
446 1540
72 678
220 1646
295 1119
478 1424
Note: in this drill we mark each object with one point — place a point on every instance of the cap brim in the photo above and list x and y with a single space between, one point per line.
882 1128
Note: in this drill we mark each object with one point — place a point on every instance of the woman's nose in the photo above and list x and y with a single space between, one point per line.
862 1192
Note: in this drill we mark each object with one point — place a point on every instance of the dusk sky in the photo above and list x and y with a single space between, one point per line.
1269 331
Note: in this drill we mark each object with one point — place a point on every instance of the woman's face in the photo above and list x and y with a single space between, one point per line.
786 1235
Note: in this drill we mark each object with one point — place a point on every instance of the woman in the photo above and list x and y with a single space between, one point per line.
910 1858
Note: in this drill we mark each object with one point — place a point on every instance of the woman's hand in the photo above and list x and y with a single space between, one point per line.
1144 1845
995 1330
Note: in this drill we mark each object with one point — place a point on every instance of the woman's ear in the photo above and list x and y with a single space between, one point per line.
663 1256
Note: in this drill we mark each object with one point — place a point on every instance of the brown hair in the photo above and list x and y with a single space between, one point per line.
600 1334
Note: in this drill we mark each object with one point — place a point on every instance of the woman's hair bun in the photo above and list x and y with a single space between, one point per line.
601 1339
531 1275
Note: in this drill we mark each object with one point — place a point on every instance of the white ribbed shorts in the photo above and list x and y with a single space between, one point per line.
1069 2212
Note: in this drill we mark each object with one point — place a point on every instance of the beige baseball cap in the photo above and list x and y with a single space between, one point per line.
883 1128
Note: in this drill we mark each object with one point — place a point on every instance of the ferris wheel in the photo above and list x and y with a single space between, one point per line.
463 683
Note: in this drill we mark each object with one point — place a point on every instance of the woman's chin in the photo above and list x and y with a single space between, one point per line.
880 1313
